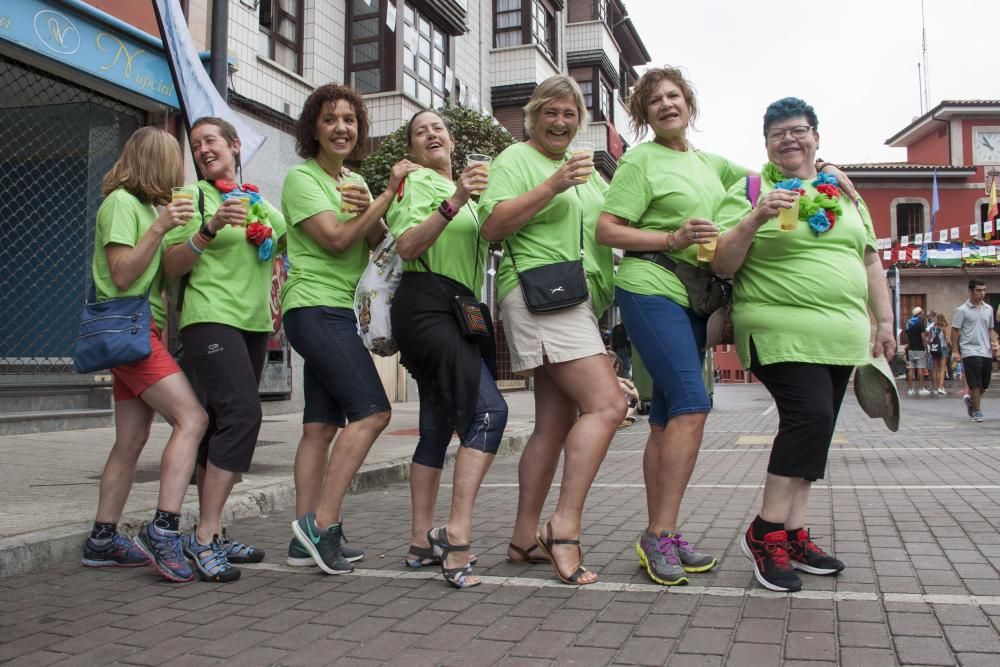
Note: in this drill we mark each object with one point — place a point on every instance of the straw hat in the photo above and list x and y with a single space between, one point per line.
719 329
875 389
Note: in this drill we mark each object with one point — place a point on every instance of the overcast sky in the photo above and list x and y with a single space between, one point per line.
855 61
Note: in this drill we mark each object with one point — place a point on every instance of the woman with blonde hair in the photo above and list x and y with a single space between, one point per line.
543 204
938 347
128 251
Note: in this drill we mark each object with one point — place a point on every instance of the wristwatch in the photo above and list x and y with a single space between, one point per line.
447 211
204 229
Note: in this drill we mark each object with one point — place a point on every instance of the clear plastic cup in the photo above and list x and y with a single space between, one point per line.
181 193
584 148
706 251
242 197
479 159
350 181
788 218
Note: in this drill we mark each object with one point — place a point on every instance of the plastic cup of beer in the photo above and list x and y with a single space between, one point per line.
350 182
587 149
788 218
706 251
241 197
181 193
479 159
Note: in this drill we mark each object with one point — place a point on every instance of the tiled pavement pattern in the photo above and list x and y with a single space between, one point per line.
914 515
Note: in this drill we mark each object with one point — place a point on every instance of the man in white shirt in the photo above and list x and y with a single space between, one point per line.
970 335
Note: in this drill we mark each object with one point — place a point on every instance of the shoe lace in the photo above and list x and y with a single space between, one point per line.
667 547
778 553
168 549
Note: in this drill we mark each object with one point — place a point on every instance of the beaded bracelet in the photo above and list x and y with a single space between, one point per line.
195 249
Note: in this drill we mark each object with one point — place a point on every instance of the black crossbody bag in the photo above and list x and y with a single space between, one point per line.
707 292
553 287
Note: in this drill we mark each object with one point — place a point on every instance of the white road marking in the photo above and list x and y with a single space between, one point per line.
815 487
621 587
769 410
833 450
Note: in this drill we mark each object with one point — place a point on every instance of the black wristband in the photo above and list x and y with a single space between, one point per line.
447 211
206 231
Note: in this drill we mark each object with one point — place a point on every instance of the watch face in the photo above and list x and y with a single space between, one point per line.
987 148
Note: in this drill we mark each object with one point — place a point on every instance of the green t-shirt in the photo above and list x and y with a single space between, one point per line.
800 296
553 235
318 277
122 219
659 189
455 251
228 284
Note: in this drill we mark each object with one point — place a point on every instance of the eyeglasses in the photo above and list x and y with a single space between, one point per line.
798 132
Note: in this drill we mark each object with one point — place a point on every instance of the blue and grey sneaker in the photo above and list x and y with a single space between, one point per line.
660 558
692 559
210 559
120 551
237 552
299 557
977 416
323 545
165 552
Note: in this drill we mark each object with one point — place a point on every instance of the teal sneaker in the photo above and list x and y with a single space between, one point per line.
323 545
299 557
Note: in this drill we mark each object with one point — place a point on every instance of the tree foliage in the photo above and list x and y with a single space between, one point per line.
473 132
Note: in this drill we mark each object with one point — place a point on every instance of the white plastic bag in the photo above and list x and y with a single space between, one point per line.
374 296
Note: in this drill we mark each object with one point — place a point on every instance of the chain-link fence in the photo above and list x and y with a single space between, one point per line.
57 140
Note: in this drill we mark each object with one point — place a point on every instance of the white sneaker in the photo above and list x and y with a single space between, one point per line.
924 392
910 392
942 392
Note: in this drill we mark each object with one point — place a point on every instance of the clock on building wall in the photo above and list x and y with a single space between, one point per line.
986 148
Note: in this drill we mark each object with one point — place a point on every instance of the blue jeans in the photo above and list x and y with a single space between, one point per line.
669 338
484 433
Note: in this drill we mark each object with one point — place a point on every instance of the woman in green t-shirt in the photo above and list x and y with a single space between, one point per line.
128 250
333 222
802 294
434 221
226 257
543 205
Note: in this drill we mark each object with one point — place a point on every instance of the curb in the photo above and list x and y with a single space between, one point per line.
27 552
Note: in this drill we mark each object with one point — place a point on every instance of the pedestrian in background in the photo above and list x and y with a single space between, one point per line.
224 257
972 345
916 354
799 329
333 224
128 252
543 204
937 346
437 234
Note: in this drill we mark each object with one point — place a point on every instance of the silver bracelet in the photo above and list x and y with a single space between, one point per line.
195 249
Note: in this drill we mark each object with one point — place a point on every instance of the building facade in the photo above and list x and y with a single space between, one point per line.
81 76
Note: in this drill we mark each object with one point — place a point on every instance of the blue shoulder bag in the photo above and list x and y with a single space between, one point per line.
113 332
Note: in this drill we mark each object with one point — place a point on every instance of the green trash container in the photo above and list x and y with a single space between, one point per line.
644 382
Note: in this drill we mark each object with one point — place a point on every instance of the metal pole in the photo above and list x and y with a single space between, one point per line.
219 68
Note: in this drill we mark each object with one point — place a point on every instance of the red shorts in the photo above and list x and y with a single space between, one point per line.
133 379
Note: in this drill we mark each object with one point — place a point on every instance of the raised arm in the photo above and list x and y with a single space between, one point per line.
128 263
731 251
416 240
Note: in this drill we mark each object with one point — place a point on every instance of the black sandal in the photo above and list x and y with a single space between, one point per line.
425 557
456 576
546 546
525 554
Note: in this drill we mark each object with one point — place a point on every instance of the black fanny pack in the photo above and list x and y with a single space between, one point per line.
553 287
707 292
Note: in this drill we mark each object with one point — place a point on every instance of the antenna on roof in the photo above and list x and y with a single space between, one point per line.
920 90
926 77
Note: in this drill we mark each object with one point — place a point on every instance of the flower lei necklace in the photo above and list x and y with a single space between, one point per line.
820 211
258 233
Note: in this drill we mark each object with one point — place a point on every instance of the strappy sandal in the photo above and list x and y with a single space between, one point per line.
524 555
456 576
546 546
425 557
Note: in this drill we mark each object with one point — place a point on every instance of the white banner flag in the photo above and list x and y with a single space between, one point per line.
194 87
943 236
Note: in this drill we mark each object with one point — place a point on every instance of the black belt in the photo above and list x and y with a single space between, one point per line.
655 257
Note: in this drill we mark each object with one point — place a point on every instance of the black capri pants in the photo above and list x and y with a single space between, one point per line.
227 363
808 398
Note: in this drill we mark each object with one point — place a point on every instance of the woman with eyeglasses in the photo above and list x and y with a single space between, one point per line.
805 292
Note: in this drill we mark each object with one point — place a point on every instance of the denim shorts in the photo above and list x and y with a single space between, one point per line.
669 339
339 381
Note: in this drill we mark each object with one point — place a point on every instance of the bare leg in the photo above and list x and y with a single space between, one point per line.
424 484
800 505
780 495
470 470
976 394
349 452
132 422
216 487
173 398
310 464
677 446
555 414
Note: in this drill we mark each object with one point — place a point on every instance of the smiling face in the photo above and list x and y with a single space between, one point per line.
430 144
216 158
337 130
667 111
791 145
556 126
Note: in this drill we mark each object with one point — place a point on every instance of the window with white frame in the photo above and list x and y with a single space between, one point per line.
425 58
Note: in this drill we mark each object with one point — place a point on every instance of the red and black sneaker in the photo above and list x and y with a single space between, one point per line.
770 560
808 557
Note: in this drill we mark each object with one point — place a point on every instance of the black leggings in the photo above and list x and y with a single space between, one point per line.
808 398
227 363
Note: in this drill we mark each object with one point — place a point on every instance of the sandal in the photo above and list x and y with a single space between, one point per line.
546 547
456 576
524 555
425 557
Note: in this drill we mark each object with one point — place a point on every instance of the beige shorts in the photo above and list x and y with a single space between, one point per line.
555 337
